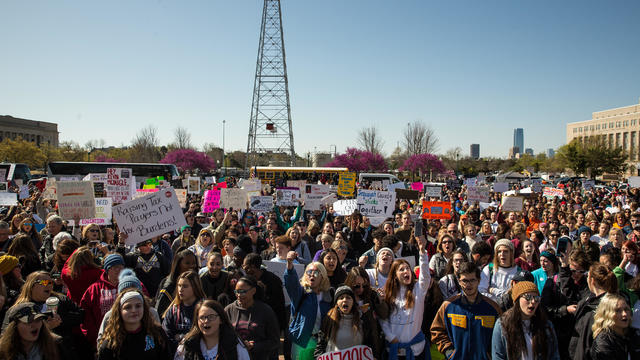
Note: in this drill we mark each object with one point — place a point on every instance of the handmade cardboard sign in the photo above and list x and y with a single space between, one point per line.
76 200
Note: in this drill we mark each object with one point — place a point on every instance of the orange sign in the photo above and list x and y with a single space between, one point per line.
436 210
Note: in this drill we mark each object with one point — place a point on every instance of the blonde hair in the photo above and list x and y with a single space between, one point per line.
89 227
604 318
324 282
211 241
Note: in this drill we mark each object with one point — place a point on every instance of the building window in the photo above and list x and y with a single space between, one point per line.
611 125
575 130
598 127
591 128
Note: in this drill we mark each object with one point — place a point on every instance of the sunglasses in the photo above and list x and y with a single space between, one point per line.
356 287
573 271
205 234
312 272
44 282
94 230
241 291
531 297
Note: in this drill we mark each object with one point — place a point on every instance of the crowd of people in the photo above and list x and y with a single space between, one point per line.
558 280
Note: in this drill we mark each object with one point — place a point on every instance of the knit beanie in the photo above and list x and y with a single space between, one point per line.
385 249
503 242
182 229
523 287
584 228
7 263
112 260
127 279
549 255
342 290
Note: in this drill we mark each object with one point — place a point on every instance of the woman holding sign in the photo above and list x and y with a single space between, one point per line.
405 297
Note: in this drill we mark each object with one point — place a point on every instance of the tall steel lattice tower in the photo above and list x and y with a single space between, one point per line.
270 124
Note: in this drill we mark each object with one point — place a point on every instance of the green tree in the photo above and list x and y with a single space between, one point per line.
21 151
592 158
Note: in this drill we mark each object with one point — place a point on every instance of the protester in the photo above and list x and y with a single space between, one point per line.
214 279
614 338
449 284
79 272
178 318
184 261
438 263
379 274
497 275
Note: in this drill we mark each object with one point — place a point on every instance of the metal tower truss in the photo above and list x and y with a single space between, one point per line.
270 132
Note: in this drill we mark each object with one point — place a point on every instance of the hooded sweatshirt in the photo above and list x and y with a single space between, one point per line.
96 301
77 287
257 323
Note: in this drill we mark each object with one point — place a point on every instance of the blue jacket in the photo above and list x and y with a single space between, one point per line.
465 328
499 344
304 314
540 278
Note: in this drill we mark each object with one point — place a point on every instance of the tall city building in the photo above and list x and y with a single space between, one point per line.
518 139
551 153
528 151
618 127
474 151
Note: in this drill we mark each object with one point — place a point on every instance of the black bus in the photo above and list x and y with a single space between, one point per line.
60 169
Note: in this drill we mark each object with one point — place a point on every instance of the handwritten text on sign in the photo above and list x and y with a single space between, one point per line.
346 184
75 199
211 201
550 192
119 184
358 352
374 203
149 216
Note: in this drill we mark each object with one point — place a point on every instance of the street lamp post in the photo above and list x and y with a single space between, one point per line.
224 165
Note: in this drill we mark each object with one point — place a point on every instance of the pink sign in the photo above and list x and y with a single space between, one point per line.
417 186
211 201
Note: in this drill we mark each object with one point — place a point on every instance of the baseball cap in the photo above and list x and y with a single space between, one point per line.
24 312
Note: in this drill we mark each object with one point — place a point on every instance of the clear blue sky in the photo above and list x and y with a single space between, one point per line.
472 70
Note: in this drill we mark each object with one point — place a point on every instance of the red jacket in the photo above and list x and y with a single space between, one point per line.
77 287
96 301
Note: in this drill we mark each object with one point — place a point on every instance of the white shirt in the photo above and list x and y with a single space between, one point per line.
210 354
499 282
600 240
405 324
372 279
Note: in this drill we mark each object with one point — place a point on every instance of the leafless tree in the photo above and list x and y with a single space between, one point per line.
145 145
420 138
182 138
370 139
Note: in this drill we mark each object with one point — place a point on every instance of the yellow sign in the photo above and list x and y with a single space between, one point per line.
346 184
458 320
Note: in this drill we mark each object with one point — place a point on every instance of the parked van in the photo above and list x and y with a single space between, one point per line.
392 179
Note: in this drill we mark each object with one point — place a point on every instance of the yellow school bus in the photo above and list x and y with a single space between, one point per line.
269 174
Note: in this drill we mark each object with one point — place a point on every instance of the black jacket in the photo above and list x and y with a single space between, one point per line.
214 287
582 336
608 345
166 292
368 334
274 297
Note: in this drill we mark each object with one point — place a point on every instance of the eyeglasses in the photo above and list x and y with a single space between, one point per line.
447 242
241 291
94 230
312 272
44 282
467 281
531 297
206 318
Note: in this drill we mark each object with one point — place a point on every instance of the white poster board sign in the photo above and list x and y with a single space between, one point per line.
8 199
4 186
287 196
278 268
634 181
433 191
182 197
300 184
76 200
410 259
345 207
119 184
233 198
261 203
24 192
376 204
50 189
193 185
512 203
103 213
500 187
149 216
358 352
394 186
477 193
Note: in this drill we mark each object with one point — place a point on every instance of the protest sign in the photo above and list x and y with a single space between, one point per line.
550 192
119 183
252 185
358 352
410 259
453 184
500 187
193 185
588 184
436 210
182 197
376 185
313 195
103 213
376 204
211 201
417 186
4 187
144 192
288 196
433 191
76 200
536 185
471 181
394 186
8 199
512 203
346 184
50 189
634 181
477 193
345 207
300 184
149 216
329 199
233 198
210 179
24 192
407 194
261 203
317 189
278 269
98 189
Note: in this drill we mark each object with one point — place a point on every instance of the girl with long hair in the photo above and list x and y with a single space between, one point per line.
404 294
79 272
28 228
299 246
178 318
344 326
310 297
203 246
183 261
22 248
25 336
439 261
529 258
523 331
64 249
131 332
613 337
212 336
91 234
185 239
337 275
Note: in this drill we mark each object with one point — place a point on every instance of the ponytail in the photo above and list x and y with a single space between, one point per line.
603 278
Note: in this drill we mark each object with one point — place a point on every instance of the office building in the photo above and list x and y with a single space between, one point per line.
39 132
475 151
518 139
551 153
528 151
514 153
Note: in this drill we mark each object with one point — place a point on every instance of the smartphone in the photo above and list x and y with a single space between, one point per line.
562 245
417 230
